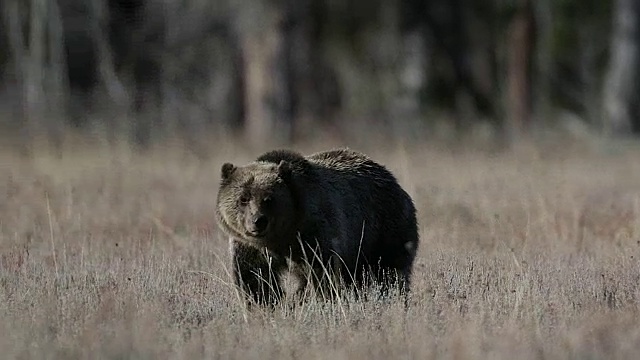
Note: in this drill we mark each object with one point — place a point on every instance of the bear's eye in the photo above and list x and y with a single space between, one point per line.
244 199
267 200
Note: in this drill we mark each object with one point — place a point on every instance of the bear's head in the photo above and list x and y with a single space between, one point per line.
255 202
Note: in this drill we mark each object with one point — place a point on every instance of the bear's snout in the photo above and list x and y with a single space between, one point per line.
257 225
261 223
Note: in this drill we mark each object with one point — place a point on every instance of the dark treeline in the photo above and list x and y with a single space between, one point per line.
281 68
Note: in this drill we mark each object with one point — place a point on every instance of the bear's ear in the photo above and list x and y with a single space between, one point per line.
284 170
227 170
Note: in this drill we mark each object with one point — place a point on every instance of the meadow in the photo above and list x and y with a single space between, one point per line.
106 253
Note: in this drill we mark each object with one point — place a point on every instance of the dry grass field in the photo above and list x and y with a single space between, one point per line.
116 255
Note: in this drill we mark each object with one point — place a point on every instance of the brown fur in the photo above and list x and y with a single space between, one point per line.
335 212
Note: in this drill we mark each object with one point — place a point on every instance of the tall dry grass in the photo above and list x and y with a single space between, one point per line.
113 254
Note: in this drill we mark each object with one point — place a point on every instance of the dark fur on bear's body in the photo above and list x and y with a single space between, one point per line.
336 210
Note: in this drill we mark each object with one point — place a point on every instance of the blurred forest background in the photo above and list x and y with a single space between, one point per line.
143 70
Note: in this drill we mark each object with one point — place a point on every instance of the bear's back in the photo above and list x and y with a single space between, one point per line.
364 188
350 164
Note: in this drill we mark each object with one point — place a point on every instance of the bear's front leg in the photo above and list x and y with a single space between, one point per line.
257 274
322 277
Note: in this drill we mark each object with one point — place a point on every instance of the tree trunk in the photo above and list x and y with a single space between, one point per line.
57 73
13 17
520 48
35 35
36 70
29 61
266 48
621 86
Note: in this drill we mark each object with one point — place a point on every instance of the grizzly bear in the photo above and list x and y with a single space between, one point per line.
336 217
